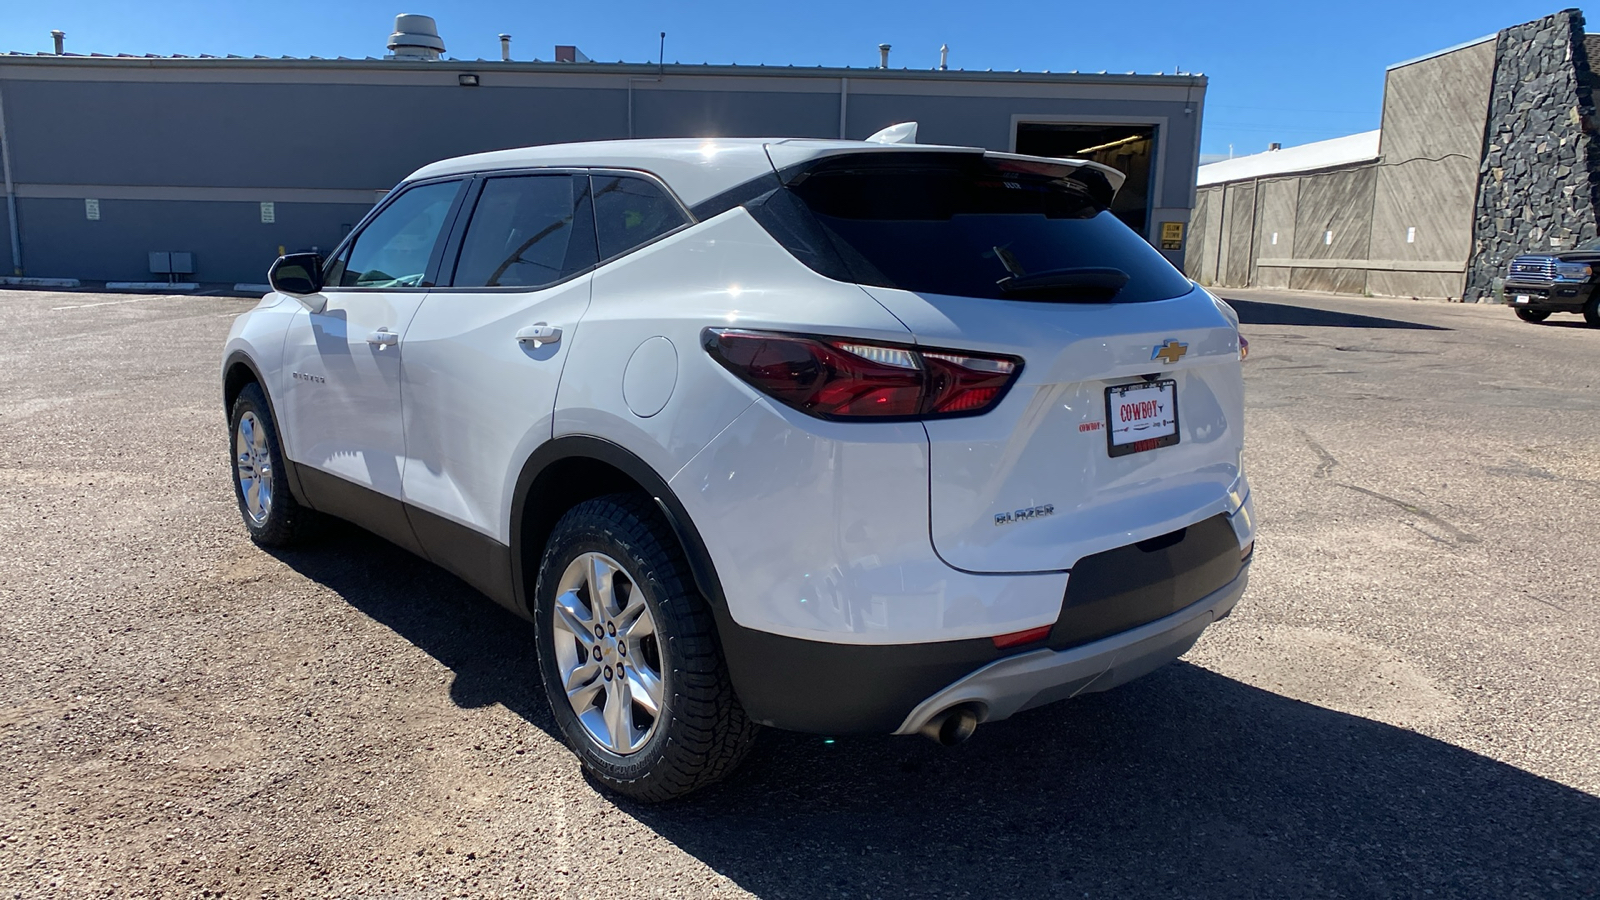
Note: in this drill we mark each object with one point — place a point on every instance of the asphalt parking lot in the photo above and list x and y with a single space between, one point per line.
1406 702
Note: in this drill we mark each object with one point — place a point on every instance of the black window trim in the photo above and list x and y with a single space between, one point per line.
452 248
458 235
431 275
689 218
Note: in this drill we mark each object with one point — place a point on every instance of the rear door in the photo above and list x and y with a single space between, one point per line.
341 393
485 352
1125 422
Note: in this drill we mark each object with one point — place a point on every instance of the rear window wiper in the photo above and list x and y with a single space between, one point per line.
1084 283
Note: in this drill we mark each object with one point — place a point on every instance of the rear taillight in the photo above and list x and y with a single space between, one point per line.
835 378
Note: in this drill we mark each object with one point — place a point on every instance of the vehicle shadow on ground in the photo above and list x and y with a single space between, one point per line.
489 649
1255 312
1185 783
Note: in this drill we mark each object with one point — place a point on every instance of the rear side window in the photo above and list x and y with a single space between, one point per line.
966 225
528 231
631 211
394 249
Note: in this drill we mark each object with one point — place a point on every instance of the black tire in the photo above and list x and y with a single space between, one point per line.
1591 310
701 732
1532 315
285 522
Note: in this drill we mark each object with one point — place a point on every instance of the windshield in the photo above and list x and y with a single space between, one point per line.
967 225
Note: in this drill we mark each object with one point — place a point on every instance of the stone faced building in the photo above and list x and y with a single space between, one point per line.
1486 151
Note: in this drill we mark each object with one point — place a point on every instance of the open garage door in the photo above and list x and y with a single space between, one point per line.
1129 149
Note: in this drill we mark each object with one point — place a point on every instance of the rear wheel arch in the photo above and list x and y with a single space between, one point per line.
569 470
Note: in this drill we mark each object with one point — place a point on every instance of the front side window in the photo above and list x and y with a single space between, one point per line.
528 231
393 250
631 211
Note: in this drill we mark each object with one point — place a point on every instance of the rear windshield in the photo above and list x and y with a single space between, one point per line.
967 225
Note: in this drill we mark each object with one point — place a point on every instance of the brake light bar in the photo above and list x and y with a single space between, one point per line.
838 378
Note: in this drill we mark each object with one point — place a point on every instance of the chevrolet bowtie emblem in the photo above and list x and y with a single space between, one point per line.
1170 352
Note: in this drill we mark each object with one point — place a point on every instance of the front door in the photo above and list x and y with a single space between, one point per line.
340 399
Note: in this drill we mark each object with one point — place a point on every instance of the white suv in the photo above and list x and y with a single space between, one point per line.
832 436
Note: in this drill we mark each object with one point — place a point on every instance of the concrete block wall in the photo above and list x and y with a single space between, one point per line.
1537 179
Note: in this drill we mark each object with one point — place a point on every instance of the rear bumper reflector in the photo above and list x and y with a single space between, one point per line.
1018 638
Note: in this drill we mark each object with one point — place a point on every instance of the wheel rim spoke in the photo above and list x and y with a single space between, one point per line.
601 576
635 624
572 618
619 715
645 689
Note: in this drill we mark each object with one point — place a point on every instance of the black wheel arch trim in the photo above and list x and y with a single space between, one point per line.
615 455
241 358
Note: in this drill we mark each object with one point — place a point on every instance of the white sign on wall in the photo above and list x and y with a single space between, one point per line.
91 209
269 212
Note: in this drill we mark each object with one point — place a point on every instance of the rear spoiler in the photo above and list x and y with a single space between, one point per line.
789 154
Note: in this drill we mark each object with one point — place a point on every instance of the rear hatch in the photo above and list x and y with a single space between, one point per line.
1125 422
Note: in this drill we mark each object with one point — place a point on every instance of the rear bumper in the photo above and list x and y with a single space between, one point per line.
1016 683
1125 612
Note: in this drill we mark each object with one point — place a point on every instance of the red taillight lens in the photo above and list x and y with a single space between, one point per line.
832 378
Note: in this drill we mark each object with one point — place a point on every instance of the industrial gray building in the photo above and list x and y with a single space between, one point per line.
1487 150
111 158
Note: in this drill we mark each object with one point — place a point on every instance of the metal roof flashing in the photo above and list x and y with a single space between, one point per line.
612 68
1437 53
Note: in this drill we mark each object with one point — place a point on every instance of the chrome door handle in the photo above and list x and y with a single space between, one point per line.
383 337
539 335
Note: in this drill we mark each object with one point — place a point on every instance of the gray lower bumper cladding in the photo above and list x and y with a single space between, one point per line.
1008 686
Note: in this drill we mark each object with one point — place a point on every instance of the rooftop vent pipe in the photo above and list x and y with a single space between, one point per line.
944 57
415 37
883 56
505 48
61 41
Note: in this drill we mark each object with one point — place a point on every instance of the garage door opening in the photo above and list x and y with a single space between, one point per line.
1129 149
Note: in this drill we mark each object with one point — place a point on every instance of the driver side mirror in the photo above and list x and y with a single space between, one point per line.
297 274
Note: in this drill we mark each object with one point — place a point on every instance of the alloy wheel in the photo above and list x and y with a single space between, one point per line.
608 653
253 460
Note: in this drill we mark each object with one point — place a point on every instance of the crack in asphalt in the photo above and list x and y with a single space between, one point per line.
1461 537
1327 462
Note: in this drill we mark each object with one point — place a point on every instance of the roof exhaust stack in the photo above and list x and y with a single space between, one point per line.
61 41
505 48
944 57
883 56
415 37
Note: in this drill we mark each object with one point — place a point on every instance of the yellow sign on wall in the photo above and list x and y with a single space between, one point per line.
1172 235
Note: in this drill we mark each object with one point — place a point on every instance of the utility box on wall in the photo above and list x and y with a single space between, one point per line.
164 262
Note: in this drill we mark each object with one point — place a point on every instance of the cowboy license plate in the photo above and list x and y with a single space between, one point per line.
1141 417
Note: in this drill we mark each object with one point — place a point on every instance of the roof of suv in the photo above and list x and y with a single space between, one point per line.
698 169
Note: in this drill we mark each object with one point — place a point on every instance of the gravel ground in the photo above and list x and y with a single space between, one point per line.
1404 704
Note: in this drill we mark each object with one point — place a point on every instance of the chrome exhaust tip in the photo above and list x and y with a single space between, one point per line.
952 726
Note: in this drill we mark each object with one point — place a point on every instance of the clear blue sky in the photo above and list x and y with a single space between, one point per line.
1280 71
